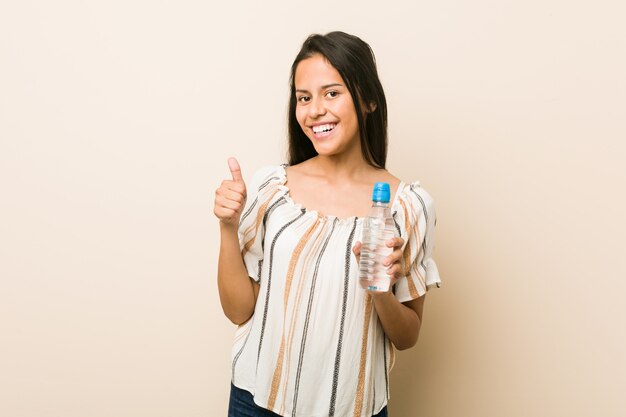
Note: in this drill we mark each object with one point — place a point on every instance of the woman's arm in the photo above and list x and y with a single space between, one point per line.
401 321
238 292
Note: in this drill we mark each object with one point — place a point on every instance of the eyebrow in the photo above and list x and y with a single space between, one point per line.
324 87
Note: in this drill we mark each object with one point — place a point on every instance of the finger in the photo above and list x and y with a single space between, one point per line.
224 213
395 242
395 255
235 169
356 249
233 195
229 204
395 270
238 187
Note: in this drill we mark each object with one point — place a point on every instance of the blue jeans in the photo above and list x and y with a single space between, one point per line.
242 404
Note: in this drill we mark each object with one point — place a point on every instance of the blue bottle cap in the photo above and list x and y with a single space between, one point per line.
381 192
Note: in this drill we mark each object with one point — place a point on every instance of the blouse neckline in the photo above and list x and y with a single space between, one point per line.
351 219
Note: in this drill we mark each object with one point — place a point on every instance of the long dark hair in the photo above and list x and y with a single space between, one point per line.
355 62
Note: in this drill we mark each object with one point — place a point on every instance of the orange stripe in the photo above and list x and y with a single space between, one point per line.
419 256
294 310
259 217
360 388
290 272
420 278
407 253
376 328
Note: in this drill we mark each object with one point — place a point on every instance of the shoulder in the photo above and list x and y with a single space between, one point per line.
414 190
271 173
414 203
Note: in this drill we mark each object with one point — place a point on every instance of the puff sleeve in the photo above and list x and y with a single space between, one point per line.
251 231
415 219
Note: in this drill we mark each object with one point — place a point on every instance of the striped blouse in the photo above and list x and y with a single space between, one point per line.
314 345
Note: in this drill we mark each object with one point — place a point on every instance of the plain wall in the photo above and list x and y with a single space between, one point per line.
116 119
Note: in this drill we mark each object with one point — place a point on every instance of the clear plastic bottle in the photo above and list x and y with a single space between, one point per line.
378 228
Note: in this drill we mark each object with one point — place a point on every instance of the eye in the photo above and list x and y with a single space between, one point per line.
303 99
332 94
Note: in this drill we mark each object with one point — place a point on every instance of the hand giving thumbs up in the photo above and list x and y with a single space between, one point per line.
230 197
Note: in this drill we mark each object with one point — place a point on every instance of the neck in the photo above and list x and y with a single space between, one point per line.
339 167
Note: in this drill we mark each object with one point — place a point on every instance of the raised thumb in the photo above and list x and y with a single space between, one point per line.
235 169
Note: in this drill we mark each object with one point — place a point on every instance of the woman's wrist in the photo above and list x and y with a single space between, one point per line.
385 296
228 227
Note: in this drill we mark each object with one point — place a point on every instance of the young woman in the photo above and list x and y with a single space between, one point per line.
311 341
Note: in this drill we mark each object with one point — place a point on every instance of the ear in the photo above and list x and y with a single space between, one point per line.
371 108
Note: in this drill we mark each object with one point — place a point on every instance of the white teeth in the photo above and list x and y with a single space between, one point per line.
324 128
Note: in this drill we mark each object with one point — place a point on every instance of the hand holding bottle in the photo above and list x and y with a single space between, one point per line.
378 229
230 197
393 261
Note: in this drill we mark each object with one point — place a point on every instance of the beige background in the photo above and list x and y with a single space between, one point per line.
116 119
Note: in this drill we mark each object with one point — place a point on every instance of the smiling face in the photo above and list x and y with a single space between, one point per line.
325 110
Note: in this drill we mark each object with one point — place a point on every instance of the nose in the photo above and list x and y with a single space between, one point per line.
317 107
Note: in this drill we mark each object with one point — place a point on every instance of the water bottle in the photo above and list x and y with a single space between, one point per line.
378 228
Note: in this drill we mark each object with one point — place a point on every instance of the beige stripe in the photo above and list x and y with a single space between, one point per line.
360 388
420 278
367 400
310 256
288 280
255 226
407 254
392 355
419 256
